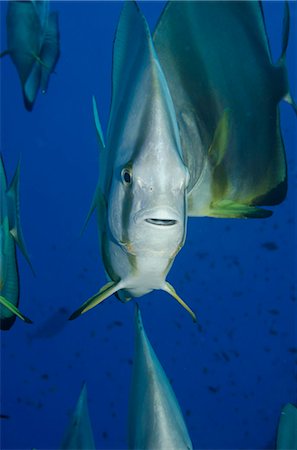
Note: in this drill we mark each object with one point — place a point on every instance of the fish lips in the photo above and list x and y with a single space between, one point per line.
158 217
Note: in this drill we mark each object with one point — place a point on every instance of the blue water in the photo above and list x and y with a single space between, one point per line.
232 374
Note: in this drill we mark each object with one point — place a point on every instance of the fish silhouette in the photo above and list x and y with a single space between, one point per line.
33 45
10 234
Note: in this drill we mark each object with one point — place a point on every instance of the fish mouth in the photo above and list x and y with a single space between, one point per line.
159 217
161 222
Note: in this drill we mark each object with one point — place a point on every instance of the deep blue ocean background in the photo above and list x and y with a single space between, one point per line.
234 372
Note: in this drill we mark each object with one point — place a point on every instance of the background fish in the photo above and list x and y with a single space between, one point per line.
10 234
33 44
155 418
212 73
79 434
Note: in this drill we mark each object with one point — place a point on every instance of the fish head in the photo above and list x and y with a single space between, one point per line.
147 204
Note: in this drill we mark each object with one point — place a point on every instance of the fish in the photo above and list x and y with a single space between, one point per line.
155 417
141 193
79 434
209 74
33 43
51 326
287 428
10 234
190 134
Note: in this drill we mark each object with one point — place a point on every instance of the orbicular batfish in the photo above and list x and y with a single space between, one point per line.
79 434
10 233
155 418
33 44
216 59
141 194
193 131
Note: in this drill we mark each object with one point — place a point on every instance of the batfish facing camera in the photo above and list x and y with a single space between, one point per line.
141 193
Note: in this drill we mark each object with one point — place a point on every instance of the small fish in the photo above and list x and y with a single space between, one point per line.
155 418
287 428
10 234
33 45
4 416
79 434
51 326
270 245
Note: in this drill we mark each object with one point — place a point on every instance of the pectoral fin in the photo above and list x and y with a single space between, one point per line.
106 291
226 209
14 215
14 309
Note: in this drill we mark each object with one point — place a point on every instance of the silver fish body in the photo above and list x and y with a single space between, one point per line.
155 417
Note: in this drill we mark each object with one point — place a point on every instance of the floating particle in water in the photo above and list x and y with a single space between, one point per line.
201 255
273 332
104 435
44 376
115 323
225 356
4 416
270 245
292 350
214 389
273 312
188 412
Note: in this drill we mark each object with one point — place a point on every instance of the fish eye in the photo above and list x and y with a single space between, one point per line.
126 176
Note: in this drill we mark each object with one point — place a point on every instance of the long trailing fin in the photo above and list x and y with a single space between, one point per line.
170 289
106 291
12 308
14 215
